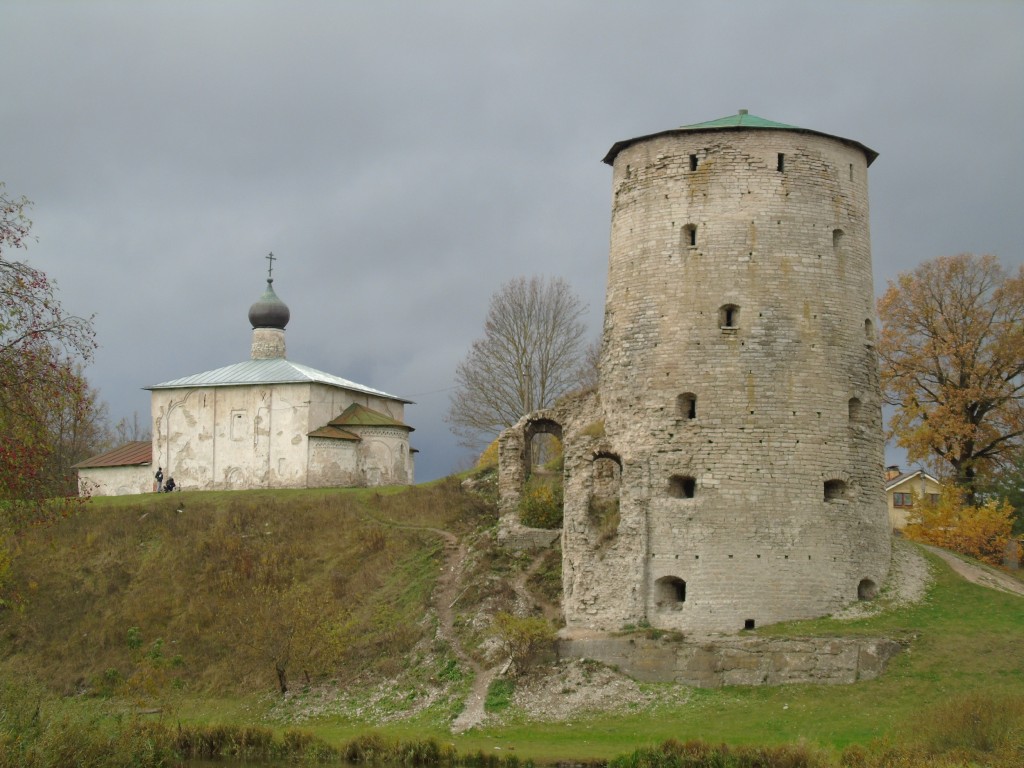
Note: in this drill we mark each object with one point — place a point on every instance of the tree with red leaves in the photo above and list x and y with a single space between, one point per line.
42 350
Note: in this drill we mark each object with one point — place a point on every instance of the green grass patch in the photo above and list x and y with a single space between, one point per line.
134 606
499 694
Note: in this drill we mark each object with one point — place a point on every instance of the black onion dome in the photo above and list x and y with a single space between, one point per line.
269 311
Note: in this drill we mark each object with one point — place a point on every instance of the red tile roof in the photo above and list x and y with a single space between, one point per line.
128 455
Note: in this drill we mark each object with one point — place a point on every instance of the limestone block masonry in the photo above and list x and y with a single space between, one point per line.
727 472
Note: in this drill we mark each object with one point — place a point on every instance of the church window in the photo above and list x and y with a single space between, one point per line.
237 425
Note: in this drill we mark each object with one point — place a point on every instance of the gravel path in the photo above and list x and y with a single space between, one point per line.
978 573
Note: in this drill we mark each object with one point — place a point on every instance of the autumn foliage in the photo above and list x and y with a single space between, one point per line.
952 355
977 530
43 394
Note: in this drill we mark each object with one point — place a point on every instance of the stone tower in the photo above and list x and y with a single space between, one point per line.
728 471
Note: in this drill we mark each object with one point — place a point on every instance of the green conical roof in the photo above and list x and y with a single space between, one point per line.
742 120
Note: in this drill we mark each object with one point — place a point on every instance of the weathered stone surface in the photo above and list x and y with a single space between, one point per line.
737 423
739 660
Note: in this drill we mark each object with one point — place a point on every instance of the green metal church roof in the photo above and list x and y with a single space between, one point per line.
742 120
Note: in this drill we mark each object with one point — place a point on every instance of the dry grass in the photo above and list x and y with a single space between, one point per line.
184 592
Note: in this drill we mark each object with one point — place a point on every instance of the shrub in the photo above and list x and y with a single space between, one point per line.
977 531
699 754
541 504
525 639
489 458
976 722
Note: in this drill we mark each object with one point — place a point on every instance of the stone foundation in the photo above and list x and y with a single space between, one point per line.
739 660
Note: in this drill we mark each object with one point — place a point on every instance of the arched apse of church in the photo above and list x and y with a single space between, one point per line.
377 463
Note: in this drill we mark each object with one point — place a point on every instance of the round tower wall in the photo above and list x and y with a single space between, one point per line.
739 387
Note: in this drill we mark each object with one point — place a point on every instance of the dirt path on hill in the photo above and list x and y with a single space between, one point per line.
446 595
473 712
978 573
448 590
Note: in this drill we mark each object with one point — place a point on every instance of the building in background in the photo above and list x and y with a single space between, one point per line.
266 422
904 489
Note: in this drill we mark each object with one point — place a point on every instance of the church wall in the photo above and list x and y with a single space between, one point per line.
326 403
222 438
115 481
333 463
384 457
232 437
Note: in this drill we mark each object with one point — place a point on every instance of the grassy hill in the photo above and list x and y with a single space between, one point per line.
199 608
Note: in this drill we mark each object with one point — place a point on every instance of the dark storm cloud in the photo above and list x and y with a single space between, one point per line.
403 160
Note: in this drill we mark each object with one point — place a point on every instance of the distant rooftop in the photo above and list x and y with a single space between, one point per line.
742 120
270 371
135 453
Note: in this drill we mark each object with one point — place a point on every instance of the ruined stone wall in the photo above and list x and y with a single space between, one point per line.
738 397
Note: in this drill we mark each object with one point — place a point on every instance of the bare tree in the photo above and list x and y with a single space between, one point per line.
530 354
128 430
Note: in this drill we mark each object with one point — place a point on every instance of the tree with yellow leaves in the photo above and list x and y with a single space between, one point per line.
952 355
982 530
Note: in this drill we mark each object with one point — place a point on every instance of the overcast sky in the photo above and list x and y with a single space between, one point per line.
403 160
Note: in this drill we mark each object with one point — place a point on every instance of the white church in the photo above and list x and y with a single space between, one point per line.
263 423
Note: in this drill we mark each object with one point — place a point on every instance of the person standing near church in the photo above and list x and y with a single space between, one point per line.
159 479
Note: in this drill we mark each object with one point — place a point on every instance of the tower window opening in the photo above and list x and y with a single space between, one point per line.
690 235
729 316
781 163
693 162
835 490
869 331
682 486
837 238
867 590
670 591
748 623
851 171
854 409
686 405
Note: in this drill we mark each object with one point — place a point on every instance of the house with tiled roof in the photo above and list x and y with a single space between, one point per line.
120 472
905 489
266 422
